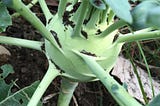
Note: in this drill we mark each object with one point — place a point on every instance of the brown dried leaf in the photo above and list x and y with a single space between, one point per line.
4 55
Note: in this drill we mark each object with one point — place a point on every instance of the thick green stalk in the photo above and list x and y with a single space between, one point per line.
104 15
52 72
61 8
94 20
80 19
66 93
110 16
45 10
138 36
32 3
113 27
37 45
117 91
32 18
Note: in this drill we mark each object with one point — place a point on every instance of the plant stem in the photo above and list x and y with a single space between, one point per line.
32 3
45 10
61 8
29 6
117 91
67 89
104 16
113 27
149 72
138 36
37 45
32 18
52 72
110 16
83 11
138 78
94 20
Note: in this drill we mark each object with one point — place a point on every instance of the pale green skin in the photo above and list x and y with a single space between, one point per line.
106 52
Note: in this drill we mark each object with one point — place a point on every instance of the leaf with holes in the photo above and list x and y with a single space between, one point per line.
5 88
21 97
7 69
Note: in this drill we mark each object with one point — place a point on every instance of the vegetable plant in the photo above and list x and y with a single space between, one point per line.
81 43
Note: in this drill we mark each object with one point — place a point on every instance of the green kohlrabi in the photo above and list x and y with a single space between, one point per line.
80 39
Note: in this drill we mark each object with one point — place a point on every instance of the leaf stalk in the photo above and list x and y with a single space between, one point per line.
80 20
138 36
52 73
33 19
45 10
66 93
117 91
37 45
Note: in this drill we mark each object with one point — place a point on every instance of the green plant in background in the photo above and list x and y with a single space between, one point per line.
80 40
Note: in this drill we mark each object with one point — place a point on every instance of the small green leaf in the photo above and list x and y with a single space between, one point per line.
155 101
98 4
153 17
7 69
121 8
5 18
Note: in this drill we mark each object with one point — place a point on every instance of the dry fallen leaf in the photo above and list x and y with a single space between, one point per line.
4 55
124 71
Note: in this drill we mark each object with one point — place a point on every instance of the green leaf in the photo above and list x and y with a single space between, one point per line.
121 8
5 18
7 69
8 3
155 101
140 12
4 89
153 17
98 4
21 97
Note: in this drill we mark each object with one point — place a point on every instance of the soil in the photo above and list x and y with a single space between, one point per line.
31 65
